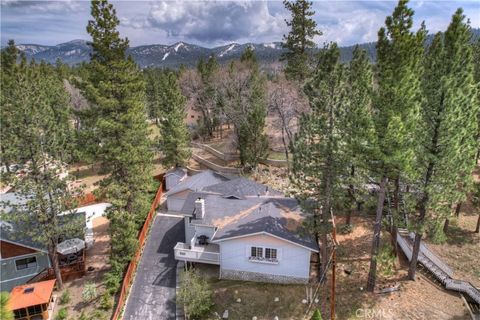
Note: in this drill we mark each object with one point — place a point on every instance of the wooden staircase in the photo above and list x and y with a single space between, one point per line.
436 267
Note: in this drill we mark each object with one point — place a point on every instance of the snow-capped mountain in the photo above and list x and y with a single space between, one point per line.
172 56
156 55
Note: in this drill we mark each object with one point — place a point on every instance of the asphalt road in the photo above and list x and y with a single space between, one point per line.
153 291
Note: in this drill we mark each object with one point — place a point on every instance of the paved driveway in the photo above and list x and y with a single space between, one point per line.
153 291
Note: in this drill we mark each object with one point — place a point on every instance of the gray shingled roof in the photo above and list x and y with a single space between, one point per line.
280 217
198 182
242 187
178 171
16 232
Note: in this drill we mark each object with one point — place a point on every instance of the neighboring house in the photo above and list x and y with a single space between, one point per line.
33 301
174 176
22 257
252 232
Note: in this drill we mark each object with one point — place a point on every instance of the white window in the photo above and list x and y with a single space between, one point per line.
263 254
257 252
270 253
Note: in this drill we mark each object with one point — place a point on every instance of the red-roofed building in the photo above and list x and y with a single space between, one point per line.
32 301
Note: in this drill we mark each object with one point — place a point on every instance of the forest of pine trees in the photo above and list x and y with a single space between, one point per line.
408 124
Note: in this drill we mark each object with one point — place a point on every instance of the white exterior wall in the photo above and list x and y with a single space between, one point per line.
189 230
293 260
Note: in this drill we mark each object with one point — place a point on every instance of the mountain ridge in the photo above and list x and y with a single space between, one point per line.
172 56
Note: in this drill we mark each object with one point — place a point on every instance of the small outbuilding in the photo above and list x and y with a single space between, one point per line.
32 301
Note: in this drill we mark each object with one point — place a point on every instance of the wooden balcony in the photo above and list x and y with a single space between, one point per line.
209 253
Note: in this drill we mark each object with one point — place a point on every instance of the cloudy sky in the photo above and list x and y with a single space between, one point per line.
212 23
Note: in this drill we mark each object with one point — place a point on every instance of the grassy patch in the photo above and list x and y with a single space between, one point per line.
277 155
258 299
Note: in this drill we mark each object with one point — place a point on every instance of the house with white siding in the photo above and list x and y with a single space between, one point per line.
249 230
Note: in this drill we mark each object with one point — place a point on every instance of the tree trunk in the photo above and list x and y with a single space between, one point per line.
372 274
351 193
396 206
445 226
458 207
56 268
285 146
396 195
323 257
477 229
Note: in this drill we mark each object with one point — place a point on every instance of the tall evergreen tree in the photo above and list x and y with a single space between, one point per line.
299 40
447 153
396 107
41 150
359 131
174 136
115 89
318 162
8 69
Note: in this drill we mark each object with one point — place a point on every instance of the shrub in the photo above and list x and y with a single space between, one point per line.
113 279
435 232
106 301
65 297
317 315
5 312
195 294
89 292
97 315
62 314
346 229
386 260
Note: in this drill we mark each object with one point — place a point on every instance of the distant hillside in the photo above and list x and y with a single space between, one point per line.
172 56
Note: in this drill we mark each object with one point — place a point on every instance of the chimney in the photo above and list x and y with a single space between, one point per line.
199 208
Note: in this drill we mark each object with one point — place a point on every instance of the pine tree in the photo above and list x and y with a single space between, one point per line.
396 106
174 136
359 132
318 162
299 40
447 153
476 77
41 148
8 65
317 315
115 89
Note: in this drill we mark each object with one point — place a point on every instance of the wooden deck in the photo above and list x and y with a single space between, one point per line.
437 267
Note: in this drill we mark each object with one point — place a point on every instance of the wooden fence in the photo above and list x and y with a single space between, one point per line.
230 157
216 167
132 266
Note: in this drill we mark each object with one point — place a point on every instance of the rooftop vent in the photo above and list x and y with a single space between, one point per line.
28 290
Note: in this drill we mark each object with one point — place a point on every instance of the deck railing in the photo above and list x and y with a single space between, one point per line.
185 253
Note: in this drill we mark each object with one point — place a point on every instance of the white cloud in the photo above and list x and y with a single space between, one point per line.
211 22
23 6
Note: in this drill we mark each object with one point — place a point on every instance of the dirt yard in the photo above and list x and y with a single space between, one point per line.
97 257
86 175
423 299
420 300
